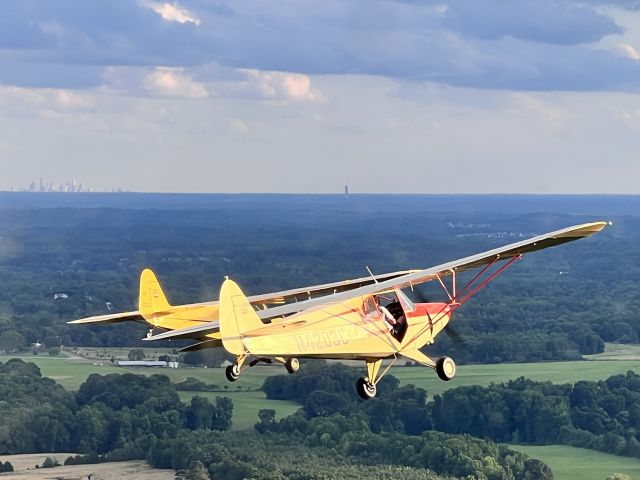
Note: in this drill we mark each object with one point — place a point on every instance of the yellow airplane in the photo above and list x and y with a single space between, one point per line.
373 322
201 319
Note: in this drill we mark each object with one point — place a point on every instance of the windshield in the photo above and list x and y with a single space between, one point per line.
407 305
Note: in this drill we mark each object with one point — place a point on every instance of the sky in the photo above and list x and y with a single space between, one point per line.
386 96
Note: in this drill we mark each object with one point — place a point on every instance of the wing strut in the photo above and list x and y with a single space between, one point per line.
457 299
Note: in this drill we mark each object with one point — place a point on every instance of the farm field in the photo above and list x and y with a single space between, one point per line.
24 466
617 359
556 372
246 405
245 393
71 372
571 463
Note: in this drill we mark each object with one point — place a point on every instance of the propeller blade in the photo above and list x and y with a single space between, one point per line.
457 340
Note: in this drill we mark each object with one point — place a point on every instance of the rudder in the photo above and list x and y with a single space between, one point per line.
152 299
237 316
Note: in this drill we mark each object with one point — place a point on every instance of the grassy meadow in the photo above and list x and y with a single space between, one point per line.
568 463
571 463
71 371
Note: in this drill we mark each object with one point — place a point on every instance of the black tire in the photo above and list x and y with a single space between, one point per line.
292 365
445 368
366 390
232 372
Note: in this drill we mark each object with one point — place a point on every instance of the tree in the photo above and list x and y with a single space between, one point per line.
136 354
199 414
50 463
196 471
267 418
11 341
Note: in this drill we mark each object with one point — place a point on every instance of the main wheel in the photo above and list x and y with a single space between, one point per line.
232 372
365 388
292 365
445 368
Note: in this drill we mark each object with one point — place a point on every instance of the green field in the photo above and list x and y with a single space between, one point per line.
71 372
570 463
248 399
246 405
556 372
245 393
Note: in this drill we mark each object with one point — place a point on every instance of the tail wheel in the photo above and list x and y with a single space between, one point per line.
365 388
446 368
292 365
232 372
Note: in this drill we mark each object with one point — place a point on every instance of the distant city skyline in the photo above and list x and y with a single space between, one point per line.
43 186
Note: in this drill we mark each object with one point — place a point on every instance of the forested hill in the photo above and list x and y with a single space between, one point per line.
124 417
558 303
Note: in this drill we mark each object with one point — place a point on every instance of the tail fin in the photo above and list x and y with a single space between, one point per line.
152 299
236 317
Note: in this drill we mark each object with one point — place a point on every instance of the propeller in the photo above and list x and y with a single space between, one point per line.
457 340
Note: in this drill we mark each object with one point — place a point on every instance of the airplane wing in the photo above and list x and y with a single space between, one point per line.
263 300
111 318
305 293
540 242
198 331
211 343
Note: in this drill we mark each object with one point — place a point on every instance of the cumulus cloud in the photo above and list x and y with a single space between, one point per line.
528 105
517 45
629 51
172 12
173 82
44 98
280 85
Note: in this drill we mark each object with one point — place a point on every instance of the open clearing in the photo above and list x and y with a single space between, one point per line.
570 463
556 372
246 405
248 399
24 466
245 393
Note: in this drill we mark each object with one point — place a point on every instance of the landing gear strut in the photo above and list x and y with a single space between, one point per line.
445 368
366 386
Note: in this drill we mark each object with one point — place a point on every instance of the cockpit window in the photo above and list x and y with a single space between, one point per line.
370 308
407 305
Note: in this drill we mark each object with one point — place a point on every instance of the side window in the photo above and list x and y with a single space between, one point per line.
370 308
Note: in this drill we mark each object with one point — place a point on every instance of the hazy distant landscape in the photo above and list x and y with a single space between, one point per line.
558 317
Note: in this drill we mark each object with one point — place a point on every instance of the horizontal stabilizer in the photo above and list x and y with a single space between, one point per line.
110 318
213 343
198 331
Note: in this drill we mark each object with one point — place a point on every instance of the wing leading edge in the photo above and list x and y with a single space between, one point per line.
533 244
408 279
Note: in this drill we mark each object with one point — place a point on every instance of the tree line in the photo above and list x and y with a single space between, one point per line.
124 417
603 415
